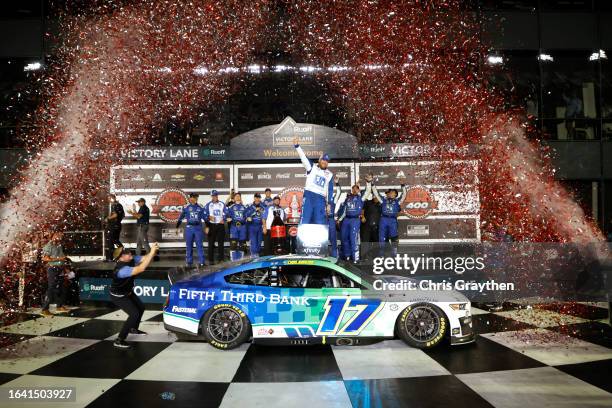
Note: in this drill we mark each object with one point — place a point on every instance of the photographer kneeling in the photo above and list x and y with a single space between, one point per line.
122 290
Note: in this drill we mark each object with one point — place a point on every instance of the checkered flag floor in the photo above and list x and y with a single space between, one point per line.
552 355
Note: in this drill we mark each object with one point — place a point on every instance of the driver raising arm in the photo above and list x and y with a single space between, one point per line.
319 189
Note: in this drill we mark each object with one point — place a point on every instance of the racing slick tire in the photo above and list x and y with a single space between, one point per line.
225 326
422 325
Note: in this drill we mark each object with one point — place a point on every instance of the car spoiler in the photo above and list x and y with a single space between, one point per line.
185 273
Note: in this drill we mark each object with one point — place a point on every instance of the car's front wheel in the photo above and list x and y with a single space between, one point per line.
422 325
225 326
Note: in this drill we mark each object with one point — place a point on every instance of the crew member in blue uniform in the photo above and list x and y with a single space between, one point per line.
349 215
318 190
195 216
267 201
390 208
236 216
254 216
332 233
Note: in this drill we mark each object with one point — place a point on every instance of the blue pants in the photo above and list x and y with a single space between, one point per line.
333 239
194 233
238 233
238 236
313 209
387 229
255 238
349 235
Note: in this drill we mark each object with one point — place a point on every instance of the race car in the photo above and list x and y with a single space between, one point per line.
295 299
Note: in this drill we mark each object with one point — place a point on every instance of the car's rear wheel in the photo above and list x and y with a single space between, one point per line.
225 326
422 325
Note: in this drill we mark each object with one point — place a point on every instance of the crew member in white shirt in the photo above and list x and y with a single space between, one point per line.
217 214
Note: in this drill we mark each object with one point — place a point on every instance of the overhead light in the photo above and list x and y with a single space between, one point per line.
166 70
545 57
337 68
229 70
200 71
281 68
33 66
309 68
373 66
495 59
601 54
254 69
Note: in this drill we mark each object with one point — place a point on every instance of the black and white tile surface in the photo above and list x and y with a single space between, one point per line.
524 357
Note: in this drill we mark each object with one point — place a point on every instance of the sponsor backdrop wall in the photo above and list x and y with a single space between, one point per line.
438 206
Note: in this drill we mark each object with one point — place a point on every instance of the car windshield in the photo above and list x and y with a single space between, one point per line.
349 266
181 273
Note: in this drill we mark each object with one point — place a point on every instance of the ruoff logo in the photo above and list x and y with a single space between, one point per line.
283 134
169 204
88 287
418 202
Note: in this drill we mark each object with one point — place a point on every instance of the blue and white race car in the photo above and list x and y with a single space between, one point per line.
295 299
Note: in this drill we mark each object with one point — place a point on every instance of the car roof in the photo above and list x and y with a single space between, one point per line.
274 259
268 260
297 257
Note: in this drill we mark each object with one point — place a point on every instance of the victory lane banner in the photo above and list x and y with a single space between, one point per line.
148 290
275 142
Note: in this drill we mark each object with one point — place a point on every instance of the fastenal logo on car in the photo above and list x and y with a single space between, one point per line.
178 309
418 202
169 204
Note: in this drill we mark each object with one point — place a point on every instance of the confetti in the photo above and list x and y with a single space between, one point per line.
402 71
